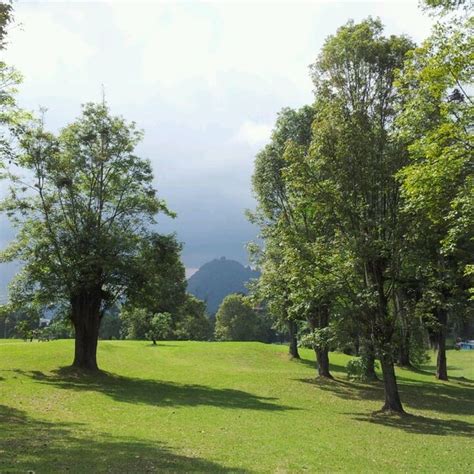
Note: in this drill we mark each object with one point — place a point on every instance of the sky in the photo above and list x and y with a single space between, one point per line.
205 82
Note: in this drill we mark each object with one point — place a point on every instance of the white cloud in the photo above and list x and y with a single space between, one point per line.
253 133
44 49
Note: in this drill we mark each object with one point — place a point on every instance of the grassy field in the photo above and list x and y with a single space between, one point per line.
237 407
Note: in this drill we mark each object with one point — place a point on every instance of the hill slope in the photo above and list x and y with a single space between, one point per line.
222 407
219 278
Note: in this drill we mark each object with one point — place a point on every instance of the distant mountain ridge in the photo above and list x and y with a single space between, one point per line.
219 278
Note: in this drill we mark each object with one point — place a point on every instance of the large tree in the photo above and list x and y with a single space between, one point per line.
436 121
351 166
83 203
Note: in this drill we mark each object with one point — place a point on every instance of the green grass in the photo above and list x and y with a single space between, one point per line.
239 407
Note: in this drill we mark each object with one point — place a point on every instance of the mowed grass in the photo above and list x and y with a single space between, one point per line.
237 407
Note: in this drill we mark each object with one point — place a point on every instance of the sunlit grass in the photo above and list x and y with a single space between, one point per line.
184 406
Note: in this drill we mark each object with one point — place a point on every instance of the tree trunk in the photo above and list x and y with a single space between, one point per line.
404 350
441 363
293 349
404 323
320 321
369 356
154 342
322 358
392 398
85 309
383 336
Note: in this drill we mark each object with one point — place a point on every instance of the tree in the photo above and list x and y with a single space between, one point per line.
438 183
159 286
275 217
351 165
236 320
193 322
83 210
11 116
110 324
160 327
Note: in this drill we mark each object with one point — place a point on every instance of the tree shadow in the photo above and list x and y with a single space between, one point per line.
28 444
452 398
419 424
154 392
312 365
430 370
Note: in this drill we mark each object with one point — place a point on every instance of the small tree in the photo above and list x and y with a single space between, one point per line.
160 327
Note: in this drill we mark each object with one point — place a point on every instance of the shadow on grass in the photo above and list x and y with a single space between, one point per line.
27 444
154 392
430 370
419 424
333 368
435 396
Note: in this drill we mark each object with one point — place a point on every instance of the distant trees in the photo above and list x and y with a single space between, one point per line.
236 320
192 322
187 321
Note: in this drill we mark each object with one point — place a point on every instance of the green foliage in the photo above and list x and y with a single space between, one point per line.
236 320
60 327
134 322
11 116
89 192
322 338
159 327
357 369
110 325
193 323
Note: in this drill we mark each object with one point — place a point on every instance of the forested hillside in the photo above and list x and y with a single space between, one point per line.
219 278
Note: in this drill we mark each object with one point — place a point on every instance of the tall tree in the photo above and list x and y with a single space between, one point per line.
83 209
351 167
277 218
436 121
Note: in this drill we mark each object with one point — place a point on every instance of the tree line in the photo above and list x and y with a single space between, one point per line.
365 197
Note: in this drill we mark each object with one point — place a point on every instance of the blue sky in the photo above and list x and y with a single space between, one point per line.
204 80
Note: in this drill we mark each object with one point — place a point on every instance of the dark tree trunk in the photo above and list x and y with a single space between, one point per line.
293 349
404 323
154 342
320 321
322 358
85 309
441 362
404 351
369 356
392 397
383 336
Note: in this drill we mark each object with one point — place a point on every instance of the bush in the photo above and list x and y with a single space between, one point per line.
357 369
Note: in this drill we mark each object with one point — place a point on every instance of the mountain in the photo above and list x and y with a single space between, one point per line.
219 278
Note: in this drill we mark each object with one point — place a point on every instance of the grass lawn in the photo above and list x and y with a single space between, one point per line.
237 407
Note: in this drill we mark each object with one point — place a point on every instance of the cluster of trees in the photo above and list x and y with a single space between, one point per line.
366 199
239 320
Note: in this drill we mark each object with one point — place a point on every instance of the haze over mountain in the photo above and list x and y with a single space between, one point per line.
219 278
